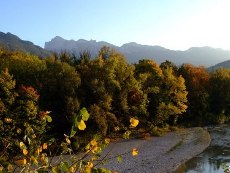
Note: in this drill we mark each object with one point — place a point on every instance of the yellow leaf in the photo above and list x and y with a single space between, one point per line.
107 140
10 168
67 140
87 170
93 142
44 158
44 146
8 120
95 149
133 122
34 160
135 152
81 125
72 169
18 130
116 128
90 164
94 158
24 151
21 144
33 136
21 162
38 151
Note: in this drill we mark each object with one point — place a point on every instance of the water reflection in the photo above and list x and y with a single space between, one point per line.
212 160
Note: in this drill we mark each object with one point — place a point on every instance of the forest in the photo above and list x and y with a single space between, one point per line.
40 98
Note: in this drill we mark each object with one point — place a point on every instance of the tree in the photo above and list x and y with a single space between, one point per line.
220 92
59 90
165 91
167 64
27 69
109 90
149 75
197 83
54 78
105 52
173 97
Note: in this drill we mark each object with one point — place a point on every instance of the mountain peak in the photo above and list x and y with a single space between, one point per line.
133 51
131 44
13 42
8 35
59 44
58 38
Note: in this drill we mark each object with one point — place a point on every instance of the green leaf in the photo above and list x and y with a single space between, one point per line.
84 114
48 118
73 131
126 134
64 166
119 159
102 170
74 126
41 171
55 169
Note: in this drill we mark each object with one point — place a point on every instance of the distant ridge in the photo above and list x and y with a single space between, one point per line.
58 44
206 56
13 43
225 64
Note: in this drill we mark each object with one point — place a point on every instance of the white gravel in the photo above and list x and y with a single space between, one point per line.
158 154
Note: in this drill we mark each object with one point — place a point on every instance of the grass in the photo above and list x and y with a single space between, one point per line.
161 131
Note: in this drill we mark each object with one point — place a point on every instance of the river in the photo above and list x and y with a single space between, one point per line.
215 159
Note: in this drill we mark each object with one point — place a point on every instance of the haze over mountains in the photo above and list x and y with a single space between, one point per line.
206 56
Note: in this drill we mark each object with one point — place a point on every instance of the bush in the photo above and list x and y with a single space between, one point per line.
22 125
159 131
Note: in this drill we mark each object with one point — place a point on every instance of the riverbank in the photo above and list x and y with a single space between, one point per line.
158 154
220 135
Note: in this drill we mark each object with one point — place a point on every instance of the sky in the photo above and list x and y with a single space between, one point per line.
173 24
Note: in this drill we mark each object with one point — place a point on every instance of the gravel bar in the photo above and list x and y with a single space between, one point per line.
157 154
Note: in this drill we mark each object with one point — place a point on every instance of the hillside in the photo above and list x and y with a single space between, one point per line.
206 56
12 42
225 64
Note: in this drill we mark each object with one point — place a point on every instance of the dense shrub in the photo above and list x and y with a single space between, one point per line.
22 124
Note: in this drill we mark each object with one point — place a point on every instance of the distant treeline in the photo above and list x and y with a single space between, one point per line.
113 90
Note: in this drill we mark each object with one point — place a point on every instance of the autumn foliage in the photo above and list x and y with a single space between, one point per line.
117 95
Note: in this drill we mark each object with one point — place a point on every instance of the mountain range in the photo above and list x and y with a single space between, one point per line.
13 42
206 56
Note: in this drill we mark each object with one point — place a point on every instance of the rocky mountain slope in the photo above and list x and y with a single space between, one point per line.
206 56
13 42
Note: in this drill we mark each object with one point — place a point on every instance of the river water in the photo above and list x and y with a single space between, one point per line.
212 160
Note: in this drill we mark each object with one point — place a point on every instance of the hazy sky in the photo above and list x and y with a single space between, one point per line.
174 24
